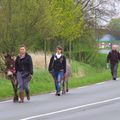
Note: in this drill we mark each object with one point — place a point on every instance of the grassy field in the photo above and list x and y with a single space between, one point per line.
42 81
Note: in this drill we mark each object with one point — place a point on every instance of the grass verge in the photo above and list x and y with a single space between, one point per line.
42 82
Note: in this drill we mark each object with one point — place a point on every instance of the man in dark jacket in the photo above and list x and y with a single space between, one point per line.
24 69
113 59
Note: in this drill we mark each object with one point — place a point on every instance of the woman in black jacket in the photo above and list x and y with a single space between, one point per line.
24 69
57 67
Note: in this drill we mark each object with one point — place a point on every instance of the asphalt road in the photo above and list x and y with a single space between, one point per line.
95 102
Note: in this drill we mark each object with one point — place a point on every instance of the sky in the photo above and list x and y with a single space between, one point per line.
117 8
116 4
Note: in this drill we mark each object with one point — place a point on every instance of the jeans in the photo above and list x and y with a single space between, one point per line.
58 76
23 82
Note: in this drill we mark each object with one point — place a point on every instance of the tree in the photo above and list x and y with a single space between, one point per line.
99 9
114 28
67 20
18 23
41 23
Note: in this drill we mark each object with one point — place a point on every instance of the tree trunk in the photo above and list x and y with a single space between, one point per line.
70 51
45 52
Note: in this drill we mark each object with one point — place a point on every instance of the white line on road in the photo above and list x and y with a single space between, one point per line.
54 92
73 108
100 83
91 85
6 101
82 87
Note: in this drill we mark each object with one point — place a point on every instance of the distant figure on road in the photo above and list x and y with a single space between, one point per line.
57 67
112 61
24 69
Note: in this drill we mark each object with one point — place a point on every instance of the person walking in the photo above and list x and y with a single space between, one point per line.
57 67
24 70
113 58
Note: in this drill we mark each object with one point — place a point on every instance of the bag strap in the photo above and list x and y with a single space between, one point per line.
53 61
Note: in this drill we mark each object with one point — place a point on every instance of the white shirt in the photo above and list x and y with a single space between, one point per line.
58 55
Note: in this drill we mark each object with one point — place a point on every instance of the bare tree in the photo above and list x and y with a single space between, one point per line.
99 11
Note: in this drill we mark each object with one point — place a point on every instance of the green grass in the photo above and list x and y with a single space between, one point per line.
90 79
42 81
91 75
5 88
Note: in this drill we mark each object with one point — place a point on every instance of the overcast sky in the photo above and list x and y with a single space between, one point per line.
116 5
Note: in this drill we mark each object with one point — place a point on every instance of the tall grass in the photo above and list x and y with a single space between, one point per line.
39 59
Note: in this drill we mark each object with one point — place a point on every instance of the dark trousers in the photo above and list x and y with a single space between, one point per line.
114 68
23 82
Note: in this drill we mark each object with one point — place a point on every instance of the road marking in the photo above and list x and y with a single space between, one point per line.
91 85
6 101
82 87
70 109
100 83
54 92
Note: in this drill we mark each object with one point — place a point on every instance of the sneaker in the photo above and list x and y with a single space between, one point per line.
28 95
58 94
67 90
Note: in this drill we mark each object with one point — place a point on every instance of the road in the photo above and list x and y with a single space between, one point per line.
104 51
96 102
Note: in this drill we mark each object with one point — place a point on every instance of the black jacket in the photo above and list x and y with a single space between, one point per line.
57 64
113 57
25 64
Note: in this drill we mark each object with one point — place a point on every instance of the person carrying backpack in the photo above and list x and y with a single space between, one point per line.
57 67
